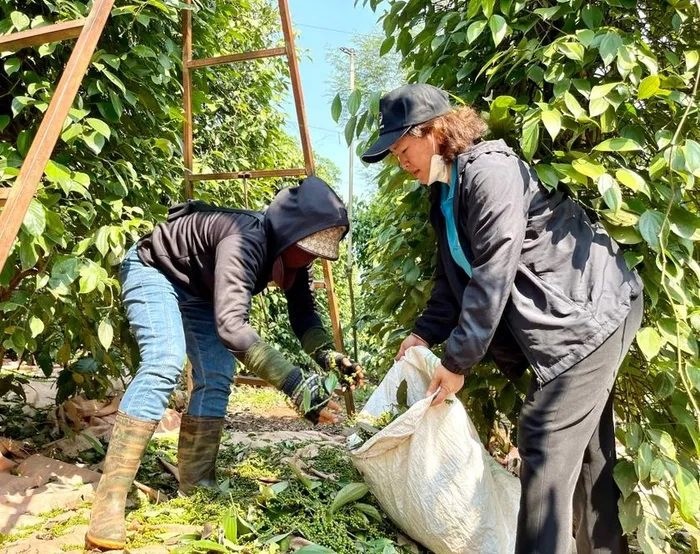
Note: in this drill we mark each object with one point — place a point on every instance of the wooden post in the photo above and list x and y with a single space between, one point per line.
187 97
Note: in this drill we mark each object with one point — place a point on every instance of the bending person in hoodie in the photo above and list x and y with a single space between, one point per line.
187 289
524 276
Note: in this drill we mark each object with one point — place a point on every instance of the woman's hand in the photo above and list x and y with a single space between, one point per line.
408 342
446 381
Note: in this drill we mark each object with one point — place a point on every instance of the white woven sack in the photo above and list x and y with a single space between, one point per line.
430 472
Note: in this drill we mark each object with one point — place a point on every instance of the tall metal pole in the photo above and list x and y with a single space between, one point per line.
351 162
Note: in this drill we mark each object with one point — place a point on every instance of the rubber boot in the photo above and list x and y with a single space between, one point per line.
130 436
197 448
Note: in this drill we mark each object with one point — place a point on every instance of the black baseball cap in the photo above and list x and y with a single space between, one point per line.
401 109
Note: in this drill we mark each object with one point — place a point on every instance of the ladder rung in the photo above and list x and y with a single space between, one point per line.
41 35
258 382
4 193
255 174
319 284
252 381
231 58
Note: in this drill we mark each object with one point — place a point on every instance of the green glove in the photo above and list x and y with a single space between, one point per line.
308 391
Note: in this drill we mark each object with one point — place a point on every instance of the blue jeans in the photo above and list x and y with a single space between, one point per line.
170 323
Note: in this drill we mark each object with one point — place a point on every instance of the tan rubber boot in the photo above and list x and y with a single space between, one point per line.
197 448
130 436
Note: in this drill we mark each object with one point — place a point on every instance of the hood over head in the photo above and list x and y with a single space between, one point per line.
297 212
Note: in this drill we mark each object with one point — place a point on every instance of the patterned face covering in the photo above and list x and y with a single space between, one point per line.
324 243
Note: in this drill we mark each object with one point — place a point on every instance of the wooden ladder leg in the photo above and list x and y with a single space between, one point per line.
21 193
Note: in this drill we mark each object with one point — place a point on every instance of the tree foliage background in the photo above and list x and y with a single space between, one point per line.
601 98
118 166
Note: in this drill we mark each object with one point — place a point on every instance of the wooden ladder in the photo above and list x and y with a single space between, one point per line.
15 200
288 50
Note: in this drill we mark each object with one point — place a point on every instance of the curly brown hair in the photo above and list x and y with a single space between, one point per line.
454 132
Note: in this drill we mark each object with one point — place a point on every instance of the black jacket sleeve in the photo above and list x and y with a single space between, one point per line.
441 312
239 259
493 197
300 303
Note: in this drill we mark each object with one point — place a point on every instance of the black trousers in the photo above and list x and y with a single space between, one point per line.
566 441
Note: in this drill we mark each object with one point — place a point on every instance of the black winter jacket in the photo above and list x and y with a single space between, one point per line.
548 285
226 256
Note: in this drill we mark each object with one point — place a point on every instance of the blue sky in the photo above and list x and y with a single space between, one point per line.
324 25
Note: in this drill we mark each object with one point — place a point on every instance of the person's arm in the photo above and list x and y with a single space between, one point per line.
496 219
239 259
441 312
313 336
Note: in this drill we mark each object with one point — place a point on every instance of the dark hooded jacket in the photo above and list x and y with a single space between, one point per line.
548 286
225 256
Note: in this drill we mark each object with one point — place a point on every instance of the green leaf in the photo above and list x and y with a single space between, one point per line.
610 191
625 477
36 326
105 333
369 510
99 126
63 273
588 168
685 224
350 130
73 131
617 145
12 65
94 141
689 493
487 7
650 227
230 525
4 122
402 395
551 119
19 21
597 107
592 16
648 87
664 441
573 106
609 46
679 334
35 219
572 50
643 461
354 101
21 102
633 181
691 152
630 513
693 375
336 108
102 240
387 44
649 342
475 29
529 141
547 175
349 493
499 28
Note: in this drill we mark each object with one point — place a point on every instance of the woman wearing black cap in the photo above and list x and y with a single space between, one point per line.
524 276
187 289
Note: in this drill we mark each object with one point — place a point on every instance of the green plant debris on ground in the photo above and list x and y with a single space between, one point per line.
262 503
